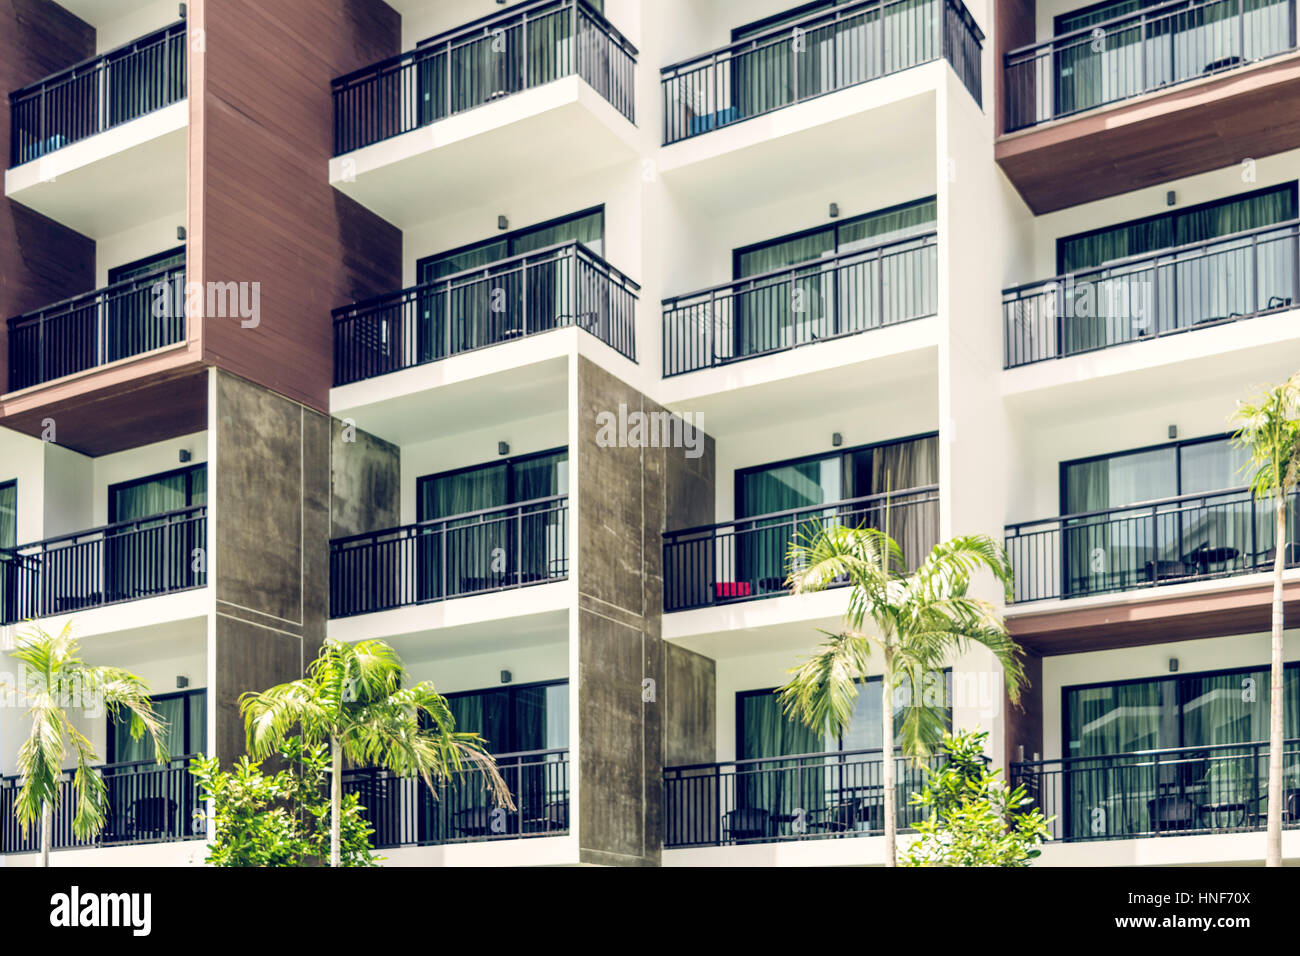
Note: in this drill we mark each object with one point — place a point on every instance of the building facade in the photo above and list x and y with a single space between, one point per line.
525 338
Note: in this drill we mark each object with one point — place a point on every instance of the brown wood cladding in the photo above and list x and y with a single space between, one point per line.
148 404
260 199
1195 129
1154 620
1013 28
41 261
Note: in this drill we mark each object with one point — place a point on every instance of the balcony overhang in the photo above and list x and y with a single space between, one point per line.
563 130
124 177
1183 612
138 401
1192 128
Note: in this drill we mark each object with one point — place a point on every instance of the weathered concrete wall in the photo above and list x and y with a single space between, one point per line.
627 498
690 707
270 494
365 482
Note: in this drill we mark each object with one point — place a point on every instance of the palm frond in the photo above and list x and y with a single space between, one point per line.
824 688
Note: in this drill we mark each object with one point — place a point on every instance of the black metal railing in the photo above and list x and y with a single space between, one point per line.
1169 541
787 308
746 559
526 46
126 561
1136 53
404 812
116 322
556 287
148 802
818 54
1218 788
1192 286
98 94
492 550
805 797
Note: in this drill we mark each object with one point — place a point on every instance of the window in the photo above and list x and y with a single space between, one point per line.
186 716
1188 467
158 494
1210 220
475 551
8 514
586 227
515 718
893 467
1173 45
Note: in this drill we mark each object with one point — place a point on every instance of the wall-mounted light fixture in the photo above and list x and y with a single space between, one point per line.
835 210
837 439
507 677
182 11
503 223
1173 665
185 455
1171 198
1173 432
182 682
503 448
180 233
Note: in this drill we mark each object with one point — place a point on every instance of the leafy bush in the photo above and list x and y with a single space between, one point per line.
282 819
974 819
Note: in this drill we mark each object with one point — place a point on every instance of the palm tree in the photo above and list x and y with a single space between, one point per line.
56 680
353 699
1268 428
913 620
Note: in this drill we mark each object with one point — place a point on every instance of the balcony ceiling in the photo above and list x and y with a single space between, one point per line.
99 12
1156 138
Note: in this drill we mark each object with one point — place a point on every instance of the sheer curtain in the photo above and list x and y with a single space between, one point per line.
775 787
469 542
895 469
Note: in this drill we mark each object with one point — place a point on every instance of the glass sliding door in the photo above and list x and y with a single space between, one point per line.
888 469
496 305
487 545
823 298
8 561
1112 302
1197 718
143 556
147 800
1158 542
133 324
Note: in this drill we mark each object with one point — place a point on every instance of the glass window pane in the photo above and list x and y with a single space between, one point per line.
8 514
1121 480
1212 466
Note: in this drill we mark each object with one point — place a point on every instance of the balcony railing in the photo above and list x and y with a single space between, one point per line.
98 94
526 46
1126 56
1170 541
1194 286
1220 788
492 550
126 561
784 309
557 287
816 55
148 802
403 812
746 559
773 799
115 322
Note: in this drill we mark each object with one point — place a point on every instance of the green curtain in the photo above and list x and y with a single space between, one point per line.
8 539
776 787
470 544
174 709
129 321
761 546
153 557
895 468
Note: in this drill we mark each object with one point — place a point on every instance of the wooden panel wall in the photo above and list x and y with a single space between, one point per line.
261 207
41 261
1013 27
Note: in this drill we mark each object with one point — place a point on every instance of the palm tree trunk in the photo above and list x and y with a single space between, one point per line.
887 764
1274 851
47 815
336 803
